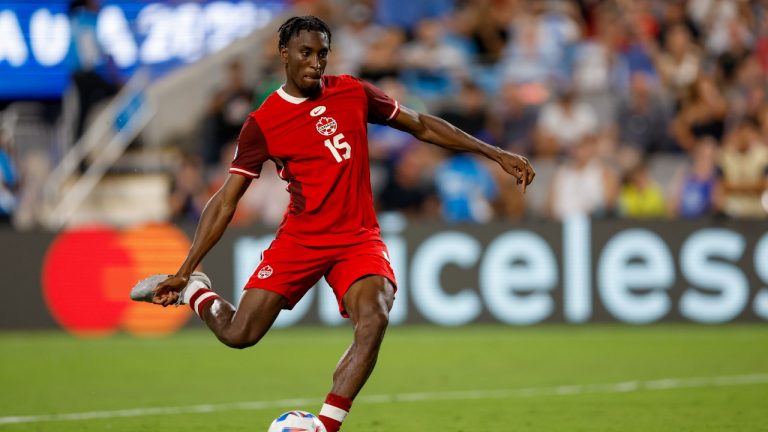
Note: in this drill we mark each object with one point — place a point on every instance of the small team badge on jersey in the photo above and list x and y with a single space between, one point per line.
265 272
316 111
326 126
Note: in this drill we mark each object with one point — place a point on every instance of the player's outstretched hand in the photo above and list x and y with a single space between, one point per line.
167 292
519 167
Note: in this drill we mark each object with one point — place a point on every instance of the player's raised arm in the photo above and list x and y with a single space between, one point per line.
213 222
437 131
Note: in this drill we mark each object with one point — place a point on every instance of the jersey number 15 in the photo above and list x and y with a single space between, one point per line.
338 144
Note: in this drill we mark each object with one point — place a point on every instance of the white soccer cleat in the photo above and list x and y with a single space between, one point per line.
144 290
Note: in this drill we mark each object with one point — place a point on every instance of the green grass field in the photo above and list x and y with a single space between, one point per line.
546 378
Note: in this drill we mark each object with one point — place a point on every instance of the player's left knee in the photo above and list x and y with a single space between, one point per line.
370 307
380 319
372 325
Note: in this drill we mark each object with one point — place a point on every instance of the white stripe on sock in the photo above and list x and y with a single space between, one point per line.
191 289
200 299
333 412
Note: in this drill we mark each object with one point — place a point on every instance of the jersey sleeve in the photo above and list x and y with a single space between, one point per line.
381 108
251 152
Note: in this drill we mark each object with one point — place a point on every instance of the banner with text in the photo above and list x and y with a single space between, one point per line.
518 274
38 49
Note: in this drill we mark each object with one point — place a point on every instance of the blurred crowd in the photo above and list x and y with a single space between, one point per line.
626 108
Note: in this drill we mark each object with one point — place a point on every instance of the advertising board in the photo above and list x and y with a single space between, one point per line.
516 274
36 52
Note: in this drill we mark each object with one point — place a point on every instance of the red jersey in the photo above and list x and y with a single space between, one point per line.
320 147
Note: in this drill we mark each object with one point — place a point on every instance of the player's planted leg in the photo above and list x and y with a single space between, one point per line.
368 302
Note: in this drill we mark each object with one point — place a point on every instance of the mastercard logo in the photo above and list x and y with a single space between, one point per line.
88 274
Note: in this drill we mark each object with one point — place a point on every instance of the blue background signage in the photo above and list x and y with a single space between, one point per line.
35 38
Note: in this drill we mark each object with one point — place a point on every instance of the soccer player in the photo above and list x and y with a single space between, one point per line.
315 130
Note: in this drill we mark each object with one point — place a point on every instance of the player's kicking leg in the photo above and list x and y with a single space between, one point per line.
368 302
239 327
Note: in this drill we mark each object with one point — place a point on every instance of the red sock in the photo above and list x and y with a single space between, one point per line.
334 411
199 299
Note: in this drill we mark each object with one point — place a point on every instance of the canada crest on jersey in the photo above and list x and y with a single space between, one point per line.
326 126
265 272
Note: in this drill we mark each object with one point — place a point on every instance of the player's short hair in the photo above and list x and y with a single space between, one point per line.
295 25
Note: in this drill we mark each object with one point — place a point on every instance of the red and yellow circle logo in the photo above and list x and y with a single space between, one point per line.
88 274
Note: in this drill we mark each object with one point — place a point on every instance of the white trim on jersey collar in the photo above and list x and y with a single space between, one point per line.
288 98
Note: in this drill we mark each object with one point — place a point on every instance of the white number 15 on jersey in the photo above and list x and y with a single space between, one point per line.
336 145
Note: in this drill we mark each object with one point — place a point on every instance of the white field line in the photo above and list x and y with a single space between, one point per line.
562 390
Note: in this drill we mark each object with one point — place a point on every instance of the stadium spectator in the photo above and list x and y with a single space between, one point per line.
694 185
485 24
188 190
743 173
643 117
355 35
728 26
9 181
513 120
680 62
673 14
270 76
433 62
562 124
583 185
409 188
746 93
382 57
640 29
731 60
598 69
94 74
469 111
761 41
641 197
702 113
466 188
227 110
537 46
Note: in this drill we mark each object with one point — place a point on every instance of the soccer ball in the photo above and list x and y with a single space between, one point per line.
297 421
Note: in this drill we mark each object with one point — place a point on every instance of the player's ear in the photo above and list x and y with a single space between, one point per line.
284 54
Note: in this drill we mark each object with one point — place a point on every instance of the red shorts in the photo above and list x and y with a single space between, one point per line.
290 269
